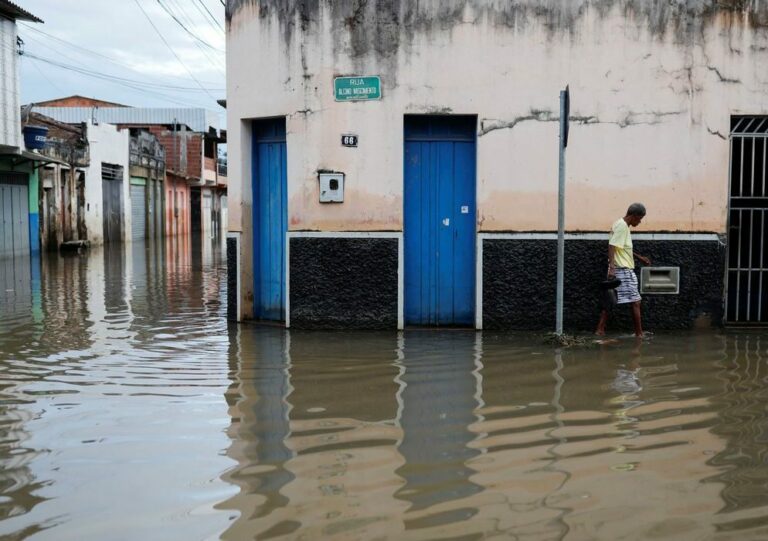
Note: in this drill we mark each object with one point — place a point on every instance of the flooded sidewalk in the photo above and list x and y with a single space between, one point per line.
130 409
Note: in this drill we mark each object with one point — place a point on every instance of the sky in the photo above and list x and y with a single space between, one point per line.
109 49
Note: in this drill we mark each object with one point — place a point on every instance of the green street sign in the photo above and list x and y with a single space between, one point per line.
357 88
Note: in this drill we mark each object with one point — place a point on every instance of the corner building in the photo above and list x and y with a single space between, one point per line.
441 210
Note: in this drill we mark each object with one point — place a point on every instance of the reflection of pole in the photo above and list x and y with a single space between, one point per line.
558 424
561 210
173 203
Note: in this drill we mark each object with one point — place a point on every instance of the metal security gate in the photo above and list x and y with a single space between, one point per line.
747 272
440 223
112 201
14 215
270 218
138 212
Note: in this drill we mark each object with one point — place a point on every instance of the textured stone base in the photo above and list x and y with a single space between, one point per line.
343 282
519 283
232 271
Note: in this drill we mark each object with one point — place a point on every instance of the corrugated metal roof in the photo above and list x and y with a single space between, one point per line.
13 11
199 120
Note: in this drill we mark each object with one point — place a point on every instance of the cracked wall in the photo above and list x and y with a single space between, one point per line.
653 85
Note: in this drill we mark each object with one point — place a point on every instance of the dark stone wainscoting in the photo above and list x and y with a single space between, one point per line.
232 271
519 284
343 282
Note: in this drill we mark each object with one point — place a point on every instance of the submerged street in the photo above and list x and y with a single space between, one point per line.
131 409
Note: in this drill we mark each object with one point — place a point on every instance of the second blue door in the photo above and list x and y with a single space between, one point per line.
440 218
270 219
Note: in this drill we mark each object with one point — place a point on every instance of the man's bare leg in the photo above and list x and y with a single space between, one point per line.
636 318
600 331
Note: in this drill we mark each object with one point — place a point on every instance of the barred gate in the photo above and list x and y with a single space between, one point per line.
747 259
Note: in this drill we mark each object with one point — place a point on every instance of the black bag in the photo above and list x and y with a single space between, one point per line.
608 295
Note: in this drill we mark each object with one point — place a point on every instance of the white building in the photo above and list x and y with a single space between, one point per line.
450 194
18 177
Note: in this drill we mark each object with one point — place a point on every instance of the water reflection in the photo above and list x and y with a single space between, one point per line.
742 404
103 393
439 398
130 409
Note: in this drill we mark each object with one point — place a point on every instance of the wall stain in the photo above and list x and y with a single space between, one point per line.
379 25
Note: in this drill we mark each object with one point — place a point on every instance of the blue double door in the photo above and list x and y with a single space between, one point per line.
440 220
270 218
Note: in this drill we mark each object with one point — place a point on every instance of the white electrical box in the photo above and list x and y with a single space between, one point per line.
660 280
331 187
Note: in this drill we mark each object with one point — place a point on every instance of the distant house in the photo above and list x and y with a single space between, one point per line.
18 176
78 101
195 183
61 192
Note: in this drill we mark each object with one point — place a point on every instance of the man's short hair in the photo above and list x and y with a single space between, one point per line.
636 209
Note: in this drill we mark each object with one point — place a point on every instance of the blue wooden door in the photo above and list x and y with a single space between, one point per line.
270 219
440 220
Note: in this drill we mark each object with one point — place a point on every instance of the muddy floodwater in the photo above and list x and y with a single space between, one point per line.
131 410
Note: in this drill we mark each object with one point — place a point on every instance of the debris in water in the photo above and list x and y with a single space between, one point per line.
568 340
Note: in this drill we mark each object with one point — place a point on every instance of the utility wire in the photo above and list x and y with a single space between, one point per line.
86 51
213 18
171 49
86 71
37 67
187 30
143 82
134 85
178 7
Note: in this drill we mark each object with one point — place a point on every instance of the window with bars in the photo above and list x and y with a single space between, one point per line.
110 171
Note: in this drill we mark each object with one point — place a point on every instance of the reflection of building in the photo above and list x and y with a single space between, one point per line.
742 424
431 436
313 458
417 140
435 418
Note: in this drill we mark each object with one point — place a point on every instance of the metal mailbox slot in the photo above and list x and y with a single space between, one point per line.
660 280
331 187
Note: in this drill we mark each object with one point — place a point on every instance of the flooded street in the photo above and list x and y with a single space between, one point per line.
130 409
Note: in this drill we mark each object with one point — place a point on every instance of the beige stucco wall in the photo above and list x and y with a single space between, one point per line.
651 106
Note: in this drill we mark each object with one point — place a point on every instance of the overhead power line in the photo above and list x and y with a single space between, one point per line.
139 86
160 34
212 16
90 52
149 84
187 30
177 6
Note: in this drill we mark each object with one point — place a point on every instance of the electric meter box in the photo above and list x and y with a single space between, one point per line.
331 187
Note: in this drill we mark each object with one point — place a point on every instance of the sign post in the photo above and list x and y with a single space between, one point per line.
565 105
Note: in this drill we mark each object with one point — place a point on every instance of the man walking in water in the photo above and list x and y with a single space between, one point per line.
621 265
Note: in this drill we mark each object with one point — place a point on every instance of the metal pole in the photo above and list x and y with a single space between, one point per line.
561 218
175 226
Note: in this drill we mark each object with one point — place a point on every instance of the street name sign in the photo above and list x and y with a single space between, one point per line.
357 88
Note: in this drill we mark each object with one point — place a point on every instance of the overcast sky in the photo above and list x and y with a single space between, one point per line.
101 40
